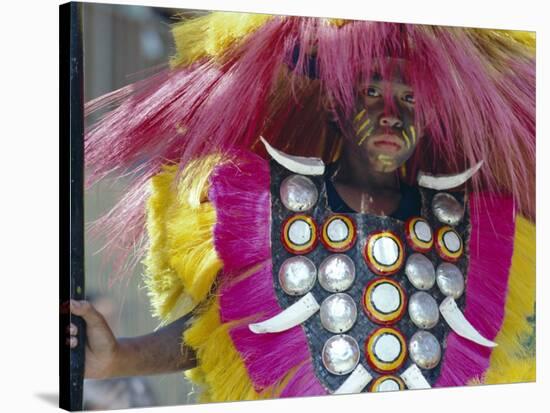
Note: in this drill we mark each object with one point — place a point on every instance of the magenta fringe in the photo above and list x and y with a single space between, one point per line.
491 248
303 384
240 193
473 103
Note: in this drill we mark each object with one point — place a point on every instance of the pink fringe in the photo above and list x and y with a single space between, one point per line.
240 193
302 384
491 248
474 105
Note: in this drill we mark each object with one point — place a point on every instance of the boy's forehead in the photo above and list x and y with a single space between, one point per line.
393 71
394 81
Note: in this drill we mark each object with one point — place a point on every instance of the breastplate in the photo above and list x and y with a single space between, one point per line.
382 318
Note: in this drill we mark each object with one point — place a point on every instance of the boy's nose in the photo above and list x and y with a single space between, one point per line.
391 122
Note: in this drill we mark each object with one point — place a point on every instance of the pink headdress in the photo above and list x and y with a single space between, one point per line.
474 88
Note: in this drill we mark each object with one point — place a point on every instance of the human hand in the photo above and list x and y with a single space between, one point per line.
102 347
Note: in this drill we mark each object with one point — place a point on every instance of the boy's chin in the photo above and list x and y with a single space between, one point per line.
381 162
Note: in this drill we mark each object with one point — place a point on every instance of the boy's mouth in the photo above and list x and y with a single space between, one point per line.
388 143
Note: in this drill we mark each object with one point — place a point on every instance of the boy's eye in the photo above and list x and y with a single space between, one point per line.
373 92
409 98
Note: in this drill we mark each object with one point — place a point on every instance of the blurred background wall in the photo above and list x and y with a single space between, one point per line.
123 44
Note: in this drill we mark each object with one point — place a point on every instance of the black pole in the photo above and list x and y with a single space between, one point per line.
71 128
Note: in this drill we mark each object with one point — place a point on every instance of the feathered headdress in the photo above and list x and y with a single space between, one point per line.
236 76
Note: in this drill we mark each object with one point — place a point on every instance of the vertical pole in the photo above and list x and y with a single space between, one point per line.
71 127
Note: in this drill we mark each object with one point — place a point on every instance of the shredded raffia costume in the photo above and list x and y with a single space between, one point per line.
217 227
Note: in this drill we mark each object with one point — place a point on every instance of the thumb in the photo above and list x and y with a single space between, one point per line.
88 312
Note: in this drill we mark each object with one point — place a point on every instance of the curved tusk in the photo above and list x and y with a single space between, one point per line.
460 325
290 317
356 382
414 379
442 182
297 164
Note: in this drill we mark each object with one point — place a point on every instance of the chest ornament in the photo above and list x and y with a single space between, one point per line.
376 296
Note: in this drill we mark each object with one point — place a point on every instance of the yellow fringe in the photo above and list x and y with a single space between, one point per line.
220 372
512 360
500 44
212 34
181 263
181 267
528 39
339 22
180 271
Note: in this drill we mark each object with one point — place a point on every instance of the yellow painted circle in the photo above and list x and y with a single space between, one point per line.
377 384
416 243
378 315
377 266
302 248
443 249
374 353
342 245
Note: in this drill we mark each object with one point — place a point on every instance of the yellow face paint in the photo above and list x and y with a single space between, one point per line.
359 115
385 158
365 136
363 126
407 140
387 162
413 134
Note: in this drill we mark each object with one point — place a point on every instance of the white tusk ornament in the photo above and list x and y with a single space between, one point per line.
442 182
356 382
414 379
460 325
298 164
290 317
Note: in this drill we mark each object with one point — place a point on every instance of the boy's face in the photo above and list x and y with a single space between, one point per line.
383 124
